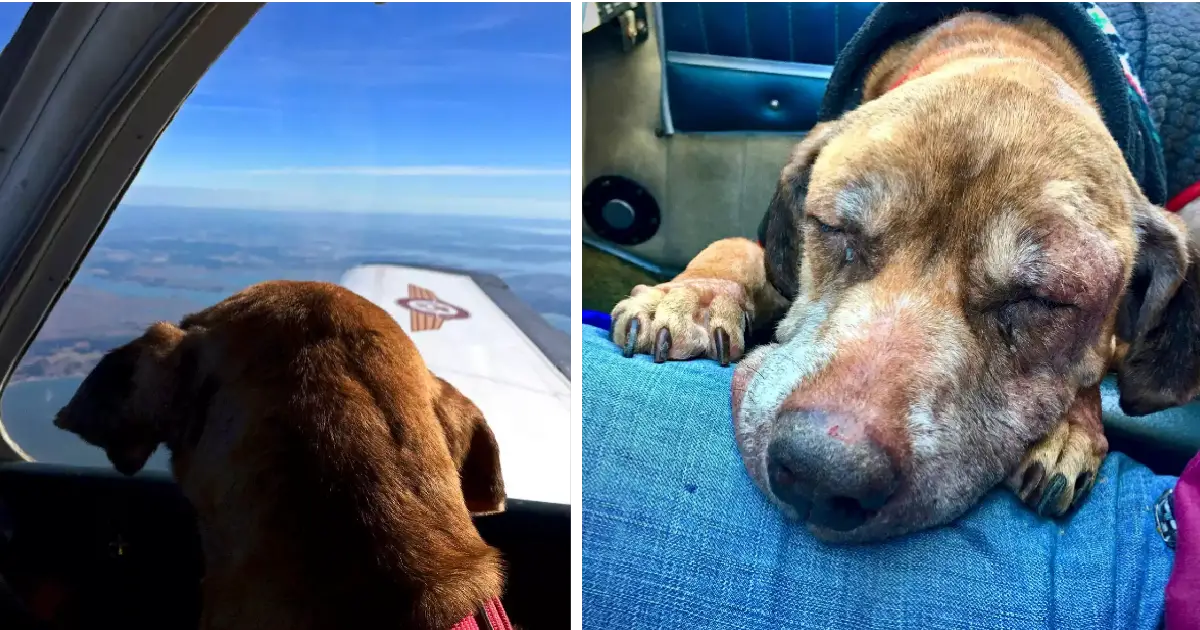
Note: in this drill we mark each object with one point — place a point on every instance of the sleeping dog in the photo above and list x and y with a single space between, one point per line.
950 269
333 475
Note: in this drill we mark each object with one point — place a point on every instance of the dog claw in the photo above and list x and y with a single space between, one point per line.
662 345
1032 479
721 341
631 335
1056 473
1048 505
1083 485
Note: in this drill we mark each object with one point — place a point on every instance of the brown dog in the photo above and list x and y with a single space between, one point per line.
333 475
951 265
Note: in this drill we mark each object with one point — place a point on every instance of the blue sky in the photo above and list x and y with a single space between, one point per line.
457 108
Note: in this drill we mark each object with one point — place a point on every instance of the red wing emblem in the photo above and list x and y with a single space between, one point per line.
426 311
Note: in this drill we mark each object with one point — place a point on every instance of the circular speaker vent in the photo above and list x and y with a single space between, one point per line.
620 210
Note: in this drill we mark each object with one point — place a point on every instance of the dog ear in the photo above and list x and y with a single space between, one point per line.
1160 317
473 448
482 483
779 232
116 405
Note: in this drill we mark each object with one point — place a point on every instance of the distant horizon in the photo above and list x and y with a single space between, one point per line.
140 205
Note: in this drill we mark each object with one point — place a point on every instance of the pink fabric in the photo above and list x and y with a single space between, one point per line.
495 615
1182 606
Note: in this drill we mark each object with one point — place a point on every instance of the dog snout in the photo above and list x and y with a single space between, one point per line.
828 469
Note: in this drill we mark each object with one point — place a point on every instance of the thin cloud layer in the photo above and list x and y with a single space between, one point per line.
417 171
321 200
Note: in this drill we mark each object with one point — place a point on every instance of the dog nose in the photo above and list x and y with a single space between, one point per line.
828 469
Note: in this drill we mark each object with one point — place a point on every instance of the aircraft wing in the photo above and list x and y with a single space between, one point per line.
480 337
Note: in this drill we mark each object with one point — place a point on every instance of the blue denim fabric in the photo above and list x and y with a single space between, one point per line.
675 535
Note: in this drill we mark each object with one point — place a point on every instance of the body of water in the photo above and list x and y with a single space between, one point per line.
28 411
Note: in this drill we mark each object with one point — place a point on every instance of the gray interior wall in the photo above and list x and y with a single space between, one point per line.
709 186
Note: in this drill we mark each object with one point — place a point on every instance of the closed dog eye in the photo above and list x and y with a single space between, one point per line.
826 228
1026 311
841 242
1031 299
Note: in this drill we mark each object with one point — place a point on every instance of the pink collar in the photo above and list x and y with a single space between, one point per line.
490 616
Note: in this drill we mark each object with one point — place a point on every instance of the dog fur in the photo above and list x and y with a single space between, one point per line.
951 268
332 474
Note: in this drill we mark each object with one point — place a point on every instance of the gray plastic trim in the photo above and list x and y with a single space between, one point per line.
667 123
666 273
745 64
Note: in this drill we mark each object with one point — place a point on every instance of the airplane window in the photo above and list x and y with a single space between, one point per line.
327 136
11 15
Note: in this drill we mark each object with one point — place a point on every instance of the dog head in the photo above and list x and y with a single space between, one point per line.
957 274
120 405
217 379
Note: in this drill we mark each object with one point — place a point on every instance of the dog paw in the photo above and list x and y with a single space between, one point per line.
684 319
1058 472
